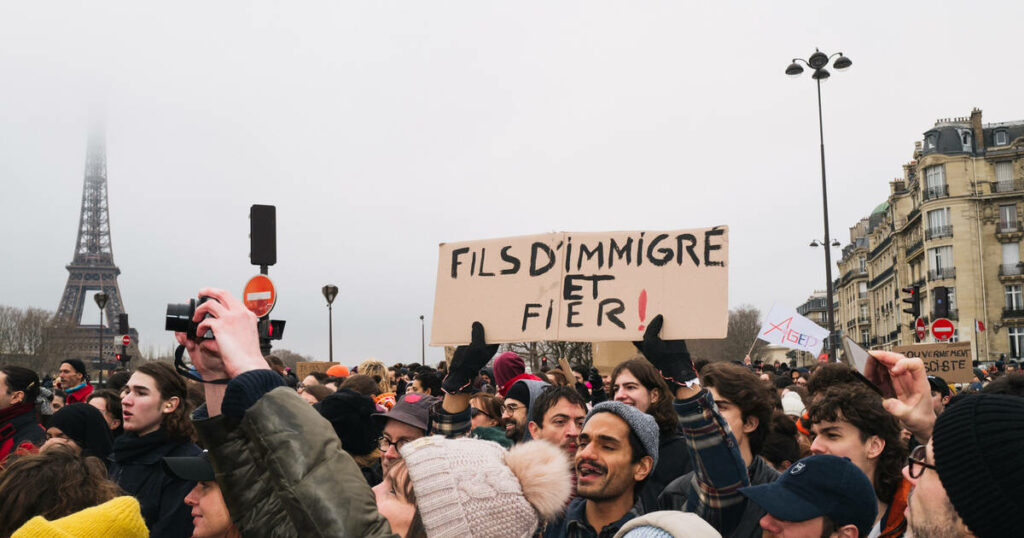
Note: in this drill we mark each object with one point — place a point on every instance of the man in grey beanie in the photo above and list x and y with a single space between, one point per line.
618 449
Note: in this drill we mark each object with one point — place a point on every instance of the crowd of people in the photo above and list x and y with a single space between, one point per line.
661 446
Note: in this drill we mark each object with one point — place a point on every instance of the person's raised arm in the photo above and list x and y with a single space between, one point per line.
912 404
465 366
671 358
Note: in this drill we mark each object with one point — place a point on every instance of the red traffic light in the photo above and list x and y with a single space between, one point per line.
118 357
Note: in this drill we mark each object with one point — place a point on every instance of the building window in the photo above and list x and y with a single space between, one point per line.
1011 254
1001 139
865 337
1008 218
862 264
930 140
862 290
940 261
935 182
939 224
1016 341
965 140
1014 300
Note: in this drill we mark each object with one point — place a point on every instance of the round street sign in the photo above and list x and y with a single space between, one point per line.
126 340
259 295
942 329
921 328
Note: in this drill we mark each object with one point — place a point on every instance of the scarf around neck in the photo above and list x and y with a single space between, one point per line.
130 446
16 410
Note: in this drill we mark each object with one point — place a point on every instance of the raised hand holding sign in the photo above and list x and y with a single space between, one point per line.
670 357
467 361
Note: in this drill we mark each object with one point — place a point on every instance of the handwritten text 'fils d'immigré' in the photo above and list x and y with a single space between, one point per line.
660 250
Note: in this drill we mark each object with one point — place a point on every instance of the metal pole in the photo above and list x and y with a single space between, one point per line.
330 332
423 341
828 237
101 338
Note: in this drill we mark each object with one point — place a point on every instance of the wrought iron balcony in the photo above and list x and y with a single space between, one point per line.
942 273
931 193
938 232
863 319
914 247
1013 312
1010 185
1011 270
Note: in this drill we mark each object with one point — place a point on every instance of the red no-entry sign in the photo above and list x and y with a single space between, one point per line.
126 340
259 295
942 329
921 328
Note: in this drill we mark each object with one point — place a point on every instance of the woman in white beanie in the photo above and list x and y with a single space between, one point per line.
471 487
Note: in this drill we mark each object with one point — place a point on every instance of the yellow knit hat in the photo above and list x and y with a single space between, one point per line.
120 517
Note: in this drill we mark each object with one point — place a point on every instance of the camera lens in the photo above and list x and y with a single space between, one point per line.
179 316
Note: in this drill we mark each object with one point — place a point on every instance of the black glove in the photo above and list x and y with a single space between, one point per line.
467 362
596 381
670 357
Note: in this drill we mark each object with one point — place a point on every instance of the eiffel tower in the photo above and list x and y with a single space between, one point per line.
92 269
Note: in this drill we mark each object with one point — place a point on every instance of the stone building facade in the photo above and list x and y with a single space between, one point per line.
952 226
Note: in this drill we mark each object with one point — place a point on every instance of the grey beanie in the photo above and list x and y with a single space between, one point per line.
642 424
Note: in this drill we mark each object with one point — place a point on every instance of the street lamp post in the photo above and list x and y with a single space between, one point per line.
101 301
330 291
423 341
818 62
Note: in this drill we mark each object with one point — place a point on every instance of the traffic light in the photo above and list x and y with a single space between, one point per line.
118 357
271 329
941 307
913 298
122 323
262 235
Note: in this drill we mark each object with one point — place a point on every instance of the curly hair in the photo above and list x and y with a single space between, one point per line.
862 408
661 407
745 389
177 423
376 369
52 484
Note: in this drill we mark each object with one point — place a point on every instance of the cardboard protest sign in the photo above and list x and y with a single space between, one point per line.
952 362
607 355
583 287
302 369
784 327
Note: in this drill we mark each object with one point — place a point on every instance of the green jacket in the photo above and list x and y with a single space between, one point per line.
283 472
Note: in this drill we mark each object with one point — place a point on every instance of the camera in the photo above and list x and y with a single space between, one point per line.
179 319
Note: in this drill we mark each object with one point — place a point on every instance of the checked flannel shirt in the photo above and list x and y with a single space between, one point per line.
450 425
718 467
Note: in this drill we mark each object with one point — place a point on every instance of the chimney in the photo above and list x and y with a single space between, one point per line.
979 134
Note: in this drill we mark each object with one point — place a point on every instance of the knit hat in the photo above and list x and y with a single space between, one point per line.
792 404
506 366
472 487
77 364
667 524
985 428
642 424
338 370
85 425
520 391
116 518
349 413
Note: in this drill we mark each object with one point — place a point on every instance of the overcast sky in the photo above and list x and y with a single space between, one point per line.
380 129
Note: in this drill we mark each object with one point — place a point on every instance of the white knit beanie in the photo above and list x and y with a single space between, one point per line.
474 488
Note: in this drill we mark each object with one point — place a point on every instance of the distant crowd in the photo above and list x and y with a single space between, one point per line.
661 445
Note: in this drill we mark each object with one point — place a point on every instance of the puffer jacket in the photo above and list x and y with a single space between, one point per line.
283 472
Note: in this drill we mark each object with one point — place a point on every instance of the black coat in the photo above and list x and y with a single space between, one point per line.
673 462
137 466
20 430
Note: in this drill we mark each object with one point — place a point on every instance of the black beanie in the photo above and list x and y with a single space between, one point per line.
350 414
977 444
77 364
85 425
520 391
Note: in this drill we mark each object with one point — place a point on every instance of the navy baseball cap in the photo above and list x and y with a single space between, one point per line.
822 485
191 468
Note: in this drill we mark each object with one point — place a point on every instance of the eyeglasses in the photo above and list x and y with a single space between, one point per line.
384 444
915 462
474 412
511 408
